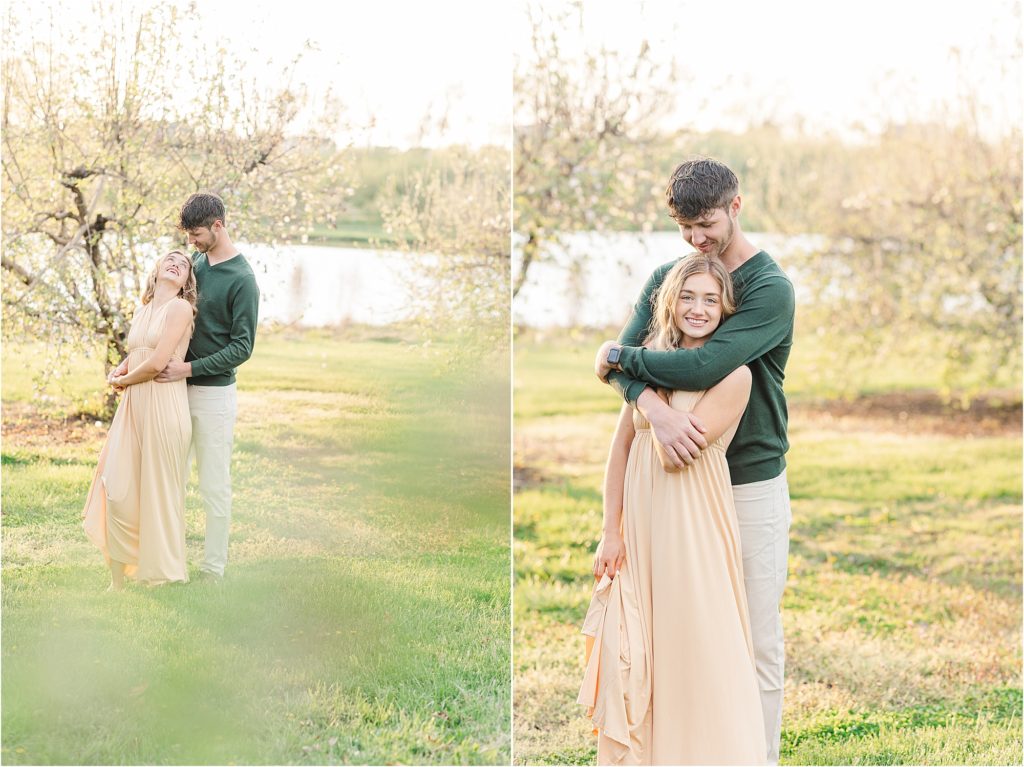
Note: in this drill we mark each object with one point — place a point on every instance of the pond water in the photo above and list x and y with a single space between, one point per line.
595 279
317 286
592 281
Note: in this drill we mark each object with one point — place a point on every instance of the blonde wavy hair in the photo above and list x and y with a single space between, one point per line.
664 333
188 290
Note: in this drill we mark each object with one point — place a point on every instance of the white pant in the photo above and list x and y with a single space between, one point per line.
213 410
764 515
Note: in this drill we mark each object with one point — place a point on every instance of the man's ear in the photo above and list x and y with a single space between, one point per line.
736 205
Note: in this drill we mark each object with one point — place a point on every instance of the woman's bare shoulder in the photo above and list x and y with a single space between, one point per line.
740 376
179 304
179 308
737 382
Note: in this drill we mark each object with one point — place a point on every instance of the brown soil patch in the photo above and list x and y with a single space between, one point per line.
526 476
24 426
564 446
996 414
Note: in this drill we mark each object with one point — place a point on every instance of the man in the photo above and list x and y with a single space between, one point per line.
703 198
225 331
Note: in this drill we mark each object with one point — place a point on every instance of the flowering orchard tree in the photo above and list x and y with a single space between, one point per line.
585 124
454 219
99 152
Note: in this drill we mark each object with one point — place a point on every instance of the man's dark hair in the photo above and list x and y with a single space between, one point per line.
201 209
698 187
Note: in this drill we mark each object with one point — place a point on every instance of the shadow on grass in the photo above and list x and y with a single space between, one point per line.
234 672
889 736
924 540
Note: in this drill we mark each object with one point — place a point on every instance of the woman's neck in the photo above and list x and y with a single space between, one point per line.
164 292
692 343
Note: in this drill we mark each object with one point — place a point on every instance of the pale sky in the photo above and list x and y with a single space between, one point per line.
398 62
833 63
395 63
405 65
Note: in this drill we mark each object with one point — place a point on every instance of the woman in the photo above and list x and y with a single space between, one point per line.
135 511
670 675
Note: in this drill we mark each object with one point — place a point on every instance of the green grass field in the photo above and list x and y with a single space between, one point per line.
365 232
365 614
903 605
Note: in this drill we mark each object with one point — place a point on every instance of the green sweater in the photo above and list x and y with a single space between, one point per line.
759 334
225 329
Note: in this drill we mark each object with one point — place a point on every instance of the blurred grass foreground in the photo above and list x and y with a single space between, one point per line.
902 611
365 615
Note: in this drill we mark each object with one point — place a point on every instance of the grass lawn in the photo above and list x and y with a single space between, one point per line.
365 615
903 605
365 232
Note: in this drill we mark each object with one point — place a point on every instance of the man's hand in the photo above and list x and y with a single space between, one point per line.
601 366
174 371
680 434
611 553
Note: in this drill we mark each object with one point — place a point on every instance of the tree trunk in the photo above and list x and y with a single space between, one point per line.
530 248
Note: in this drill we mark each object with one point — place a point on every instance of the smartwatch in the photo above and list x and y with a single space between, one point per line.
613 355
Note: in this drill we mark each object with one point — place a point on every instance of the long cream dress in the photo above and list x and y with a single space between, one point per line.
670 675
135 512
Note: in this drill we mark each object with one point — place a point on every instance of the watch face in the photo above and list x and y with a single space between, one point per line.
613 356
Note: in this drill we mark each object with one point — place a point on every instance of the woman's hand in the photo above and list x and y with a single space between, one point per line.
611 554
116 374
